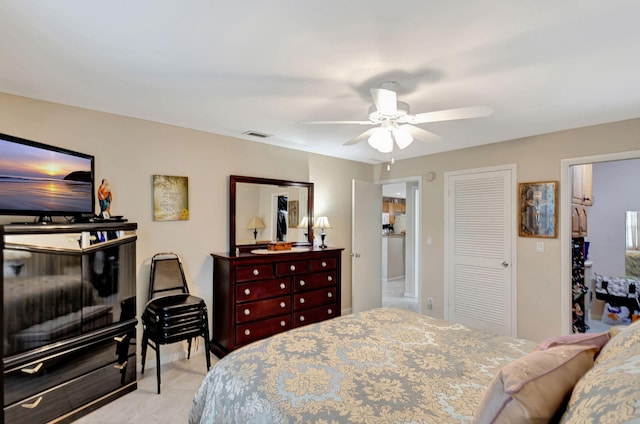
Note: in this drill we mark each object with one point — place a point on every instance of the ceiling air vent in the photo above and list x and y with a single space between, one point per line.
257 134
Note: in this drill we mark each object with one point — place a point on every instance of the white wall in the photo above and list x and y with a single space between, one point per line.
616 189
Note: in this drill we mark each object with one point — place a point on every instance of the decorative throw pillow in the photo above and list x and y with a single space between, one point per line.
608 393
626 339
585 339
534 387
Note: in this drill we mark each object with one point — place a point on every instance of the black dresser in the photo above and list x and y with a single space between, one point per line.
69 319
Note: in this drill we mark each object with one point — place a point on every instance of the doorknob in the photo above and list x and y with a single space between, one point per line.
505 264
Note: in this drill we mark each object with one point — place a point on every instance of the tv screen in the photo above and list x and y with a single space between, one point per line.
41 180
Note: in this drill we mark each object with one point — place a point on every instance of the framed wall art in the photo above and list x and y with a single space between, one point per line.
293 213
170 198
538 209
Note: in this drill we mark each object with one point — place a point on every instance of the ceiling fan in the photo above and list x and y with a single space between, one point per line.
395 123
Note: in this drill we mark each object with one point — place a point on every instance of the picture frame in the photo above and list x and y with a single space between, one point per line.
538 209
292 209
170 198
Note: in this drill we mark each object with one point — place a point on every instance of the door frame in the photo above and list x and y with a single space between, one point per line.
565 227
514 237
417 254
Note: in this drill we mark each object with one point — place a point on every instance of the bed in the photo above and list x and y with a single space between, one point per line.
391 365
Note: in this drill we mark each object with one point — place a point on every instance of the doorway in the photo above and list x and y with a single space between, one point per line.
400 273
566 295
602 234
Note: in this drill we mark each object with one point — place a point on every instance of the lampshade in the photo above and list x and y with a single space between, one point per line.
381 141
402 138
304 223
322 222
255 223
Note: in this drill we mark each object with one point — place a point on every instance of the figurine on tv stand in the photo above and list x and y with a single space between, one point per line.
104 199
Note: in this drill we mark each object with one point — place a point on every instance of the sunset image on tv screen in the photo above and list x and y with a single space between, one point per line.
38 179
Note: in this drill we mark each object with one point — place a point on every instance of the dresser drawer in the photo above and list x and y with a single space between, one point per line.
263 289
308 300
53 403
314 281
26 379
327 264
292 268
254 272
257 330
314 315
262 309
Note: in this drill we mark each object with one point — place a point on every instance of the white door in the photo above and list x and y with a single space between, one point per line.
480 242
366 245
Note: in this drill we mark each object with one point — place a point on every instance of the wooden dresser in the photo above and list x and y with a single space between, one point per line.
258 295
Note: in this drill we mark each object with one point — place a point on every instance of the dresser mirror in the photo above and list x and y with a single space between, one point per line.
264 210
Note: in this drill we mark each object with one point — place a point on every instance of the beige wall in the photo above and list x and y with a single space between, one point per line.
537 159
129 151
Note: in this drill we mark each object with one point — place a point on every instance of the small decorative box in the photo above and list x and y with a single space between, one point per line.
279 245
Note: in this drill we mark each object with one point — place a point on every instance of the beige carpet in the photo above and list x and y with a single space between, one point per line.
180 380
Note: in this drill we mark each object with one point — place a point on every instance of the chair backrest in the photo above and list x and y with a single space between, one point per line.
167 275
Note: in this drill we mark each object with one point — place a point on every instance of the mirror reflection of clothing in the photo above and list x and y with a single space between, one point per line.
282 225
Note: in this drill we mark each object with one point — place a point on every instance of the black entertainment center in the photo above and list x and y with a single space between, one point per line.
69 319
69 288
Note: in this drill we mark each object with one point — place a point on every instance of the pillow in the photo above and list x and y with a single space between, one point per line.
626 339
535 386
585 339
608 393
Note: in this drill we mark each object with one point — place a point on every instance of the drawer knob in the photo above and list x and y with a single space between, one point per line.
247 311
292 267
301 317
247 332
282 323
32 370
247 292
32 405
283 286
329 294
329 278
324 264
302 283
256 272
119 339
302 300
282 304
120 366
329 311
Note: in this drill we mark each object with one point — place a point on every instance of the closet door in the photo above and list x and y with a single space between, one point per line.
480 241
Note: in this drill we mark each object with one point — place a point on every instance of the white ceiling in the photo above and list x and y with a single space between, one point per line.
269 66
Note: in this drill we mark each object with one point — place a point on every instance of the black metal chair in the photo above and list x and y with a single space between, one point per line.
172 314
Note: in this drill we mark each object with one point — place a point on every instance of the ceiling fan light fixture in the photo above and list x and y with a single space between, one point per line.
402 138
381 141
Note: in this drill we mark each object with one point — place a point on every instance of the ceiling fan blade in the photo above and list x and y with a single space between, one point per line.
340 122
450 114
419 133
365 135
385 100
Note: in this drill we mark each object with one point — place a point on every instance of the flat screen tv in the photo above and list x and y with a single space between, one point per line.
44 181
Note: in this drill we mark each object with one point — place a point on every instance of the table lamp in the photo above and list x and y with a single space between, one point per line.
322 222
255 224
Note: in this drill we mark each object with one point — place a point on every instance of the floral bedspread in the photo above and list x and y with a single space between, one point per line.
379 366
